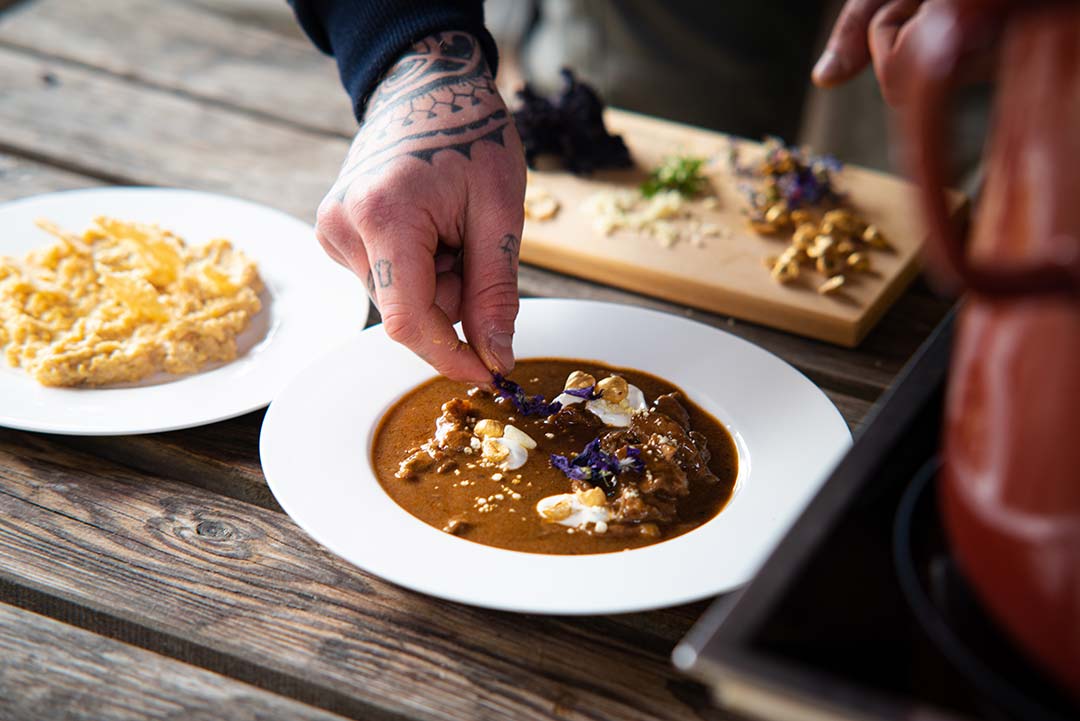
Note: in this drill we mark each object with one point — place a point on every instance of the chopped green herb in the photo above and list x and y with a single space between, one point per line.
682 174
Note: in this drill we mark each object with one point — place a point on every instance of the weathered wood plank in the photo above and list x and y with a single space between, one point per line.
20 178
185 48
95 123
55 671
269 15
235 585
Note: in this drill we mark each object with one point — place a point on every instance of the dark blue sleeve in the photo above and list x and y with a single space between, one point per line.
367 36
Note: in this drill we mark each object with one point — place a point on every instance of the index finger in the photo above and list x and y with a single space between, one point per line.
403 276
846 52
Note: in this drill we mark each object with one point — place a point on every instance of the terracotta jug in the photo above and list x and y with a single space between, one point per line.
1011 476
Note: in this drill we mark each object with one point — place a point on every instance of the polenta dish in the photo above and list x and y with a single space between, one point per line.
122 302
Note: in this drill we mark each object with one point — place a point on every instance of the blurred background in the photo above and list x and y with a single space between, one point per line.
737 67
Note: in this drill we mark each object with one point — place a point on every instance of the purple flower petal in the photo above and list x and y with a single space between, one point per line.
597 466
525 404
589 393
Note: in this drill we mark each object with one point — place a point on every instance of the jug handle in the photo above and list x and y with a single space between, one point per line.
932 72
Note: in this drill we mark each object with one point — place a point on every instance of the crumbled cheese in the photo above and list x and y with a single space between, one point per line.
539 203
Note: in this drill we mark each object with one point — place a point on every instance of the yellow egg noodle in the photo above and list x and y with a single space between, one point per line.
121 302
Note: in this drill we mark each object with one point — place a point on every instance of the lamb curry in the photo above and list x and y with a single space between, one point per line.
618 459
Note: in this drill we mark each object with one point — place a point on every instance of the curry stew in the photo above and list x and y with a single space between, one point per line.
618 459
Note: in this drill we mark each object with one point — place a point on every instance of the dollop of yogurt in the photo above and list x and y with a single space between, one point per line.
611 414
518 443
575 510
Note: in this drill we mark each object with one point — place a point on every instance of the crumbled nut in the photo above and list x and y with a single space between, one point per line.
792 254
649 529
557 511
777 215
831 285
600 527
456 526
496 476
488 428
785 271
593 497
821 246
872 236
613 389
579 379
494 451
859 262
801 217
829 265
514 435
769 261
804 235
842 219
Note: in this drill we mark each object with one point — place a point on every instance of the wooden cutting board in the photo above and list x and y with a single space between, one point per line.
725 274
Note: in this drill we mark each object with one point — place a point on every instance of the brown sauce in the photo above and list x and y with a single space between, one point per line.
459 494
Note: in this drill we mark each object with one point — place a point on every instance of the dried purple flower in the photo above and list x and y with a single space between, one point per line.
598 467
792 176
525 404
588 393
571 128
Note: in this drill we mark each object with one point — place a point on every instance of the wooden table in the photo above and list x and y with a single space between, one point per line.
154 576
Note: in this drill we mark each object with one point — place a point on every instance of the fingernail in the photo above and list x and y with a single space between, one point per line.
828 66
502 347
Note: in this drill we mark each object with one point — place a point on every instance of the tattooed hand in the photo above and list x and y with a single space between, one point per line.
428 208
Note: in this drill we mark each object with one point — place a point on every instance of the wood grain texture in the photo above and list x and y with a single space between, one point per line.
20 178
724 274
98 124
247 585
267 15
51 670
183 47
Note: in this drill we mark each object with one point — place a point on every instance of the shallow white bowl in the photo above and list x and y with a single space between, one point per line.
317 436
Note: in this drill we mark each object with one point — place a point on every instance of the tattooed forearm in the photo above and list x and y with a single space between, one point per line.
438 96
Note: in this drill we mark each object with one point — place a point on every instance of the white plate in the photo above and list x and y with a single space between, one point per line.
310 305
317 436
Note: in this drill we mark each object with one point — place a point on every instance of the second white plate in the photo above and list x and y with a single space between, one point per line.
310 305
317 435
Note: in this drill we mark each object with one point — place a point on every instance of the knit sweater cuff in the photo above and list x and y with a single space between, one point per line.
367 36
